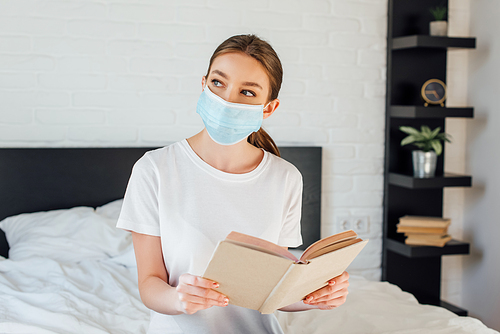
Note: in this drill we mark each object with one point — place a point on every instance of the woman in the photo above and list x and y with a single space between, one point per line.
183 198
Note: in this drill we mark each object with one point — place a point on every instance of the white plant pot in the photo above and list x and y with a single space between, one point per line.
424 163
439 28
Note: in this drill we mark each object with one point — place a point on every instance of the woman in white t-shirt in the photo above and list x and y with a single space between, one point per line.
182 199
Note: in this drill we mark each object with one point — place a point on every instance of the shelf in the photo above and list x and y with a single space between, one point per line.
427 41
447 180
430 112
413 57
452 247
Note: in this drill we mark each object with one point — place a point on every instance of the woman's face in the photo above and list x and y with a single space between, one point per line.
238 78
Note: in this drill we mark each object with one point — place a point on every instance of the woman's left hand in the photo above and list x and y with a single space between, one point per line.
330 296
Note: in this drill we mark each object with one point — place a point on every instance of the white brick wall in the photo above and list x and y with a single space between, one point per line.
455 161
128 73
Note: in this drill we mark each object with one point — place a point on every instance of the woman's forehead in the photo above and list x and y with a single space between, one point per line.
238 66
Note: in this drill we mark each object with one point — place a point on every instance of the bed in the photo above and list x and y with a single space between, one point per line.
65 268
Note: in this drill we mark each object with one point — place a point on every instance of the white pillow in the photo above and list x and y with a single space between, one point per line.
67 235
111 209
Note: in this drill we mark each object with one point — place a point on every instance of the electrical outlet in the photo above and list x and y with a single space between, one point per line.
360 224
343 223
357 223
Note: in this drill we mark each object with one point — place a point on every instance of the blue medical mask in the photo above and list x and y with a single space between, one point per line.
228 123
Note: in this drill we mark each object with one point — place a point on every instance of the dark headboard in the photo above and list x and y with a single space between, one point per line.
42 179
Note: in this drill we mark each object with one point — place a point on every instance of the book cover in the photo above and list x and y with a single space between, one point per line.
426 235
260 275
423 241
423 230
424 221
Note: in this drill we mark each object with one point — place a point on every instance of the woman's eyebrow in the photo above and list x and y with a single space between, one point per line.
246 83
253 84
222 74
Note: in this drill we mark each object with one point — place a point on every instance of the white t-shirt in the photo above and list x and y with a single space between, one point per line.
174 194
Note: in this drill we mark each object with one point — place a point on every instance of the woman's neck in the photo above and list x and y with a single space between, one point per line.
236 159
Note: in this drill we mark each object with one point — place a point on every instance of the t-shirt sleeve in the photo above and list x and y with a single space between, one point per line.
290 235
139 211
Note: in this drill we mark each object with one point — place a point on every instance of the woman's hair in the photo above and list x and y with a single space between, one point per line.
265 54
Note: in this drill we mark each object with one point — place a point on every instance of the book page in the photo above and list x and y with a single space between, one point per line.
339 237
330 248
261 245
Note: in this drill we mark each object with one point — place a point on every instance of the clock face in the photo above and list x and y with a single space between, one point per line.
434 91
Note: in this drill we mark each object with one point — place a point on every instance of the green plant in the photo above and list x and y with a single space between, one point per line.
425 138
439 13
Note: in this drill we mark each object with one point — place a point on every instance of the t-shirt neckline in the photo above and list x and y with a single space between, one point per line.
220 174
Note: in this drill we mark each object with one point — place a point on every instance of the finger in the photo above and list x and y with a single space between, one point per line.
344 277
341 278
202 301
327 290
201 292
332 303
330 290
191 308
198 281
333 295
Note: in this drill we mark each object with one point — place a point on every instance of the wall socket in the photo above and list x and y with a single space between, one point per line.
357 223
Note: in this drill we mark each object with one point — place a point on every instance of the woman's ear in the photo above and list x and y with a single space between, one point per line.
271 107
203 82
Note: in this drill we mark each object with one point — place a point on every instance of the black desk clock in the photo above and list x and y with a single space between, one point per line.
434 92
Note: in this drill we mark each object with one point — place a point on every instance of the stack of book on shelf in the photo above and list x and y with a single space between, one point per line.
424 231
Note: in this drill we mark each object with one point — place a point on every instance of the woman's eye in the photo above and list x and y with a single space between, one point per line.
248 93
216 82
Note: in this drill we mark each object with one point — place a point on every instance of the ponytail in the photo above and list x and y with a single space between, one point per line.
261 139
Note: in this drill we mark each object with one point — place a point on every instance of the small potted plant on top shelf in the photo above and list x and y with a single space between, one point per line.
424 160
438 27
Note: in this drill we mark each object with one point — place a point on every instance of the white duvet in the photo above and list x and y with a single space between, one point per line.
40 295
380 307
83 279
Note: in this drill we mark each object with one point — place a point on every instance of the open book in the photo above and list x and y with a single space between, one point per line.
260 275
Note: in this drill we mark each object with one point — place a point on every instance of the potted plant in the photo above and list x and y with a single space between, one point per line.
438 27
424 160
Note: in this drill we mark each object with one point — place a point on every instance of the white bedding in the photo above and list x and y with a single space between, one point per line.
40 295
96 291
380 307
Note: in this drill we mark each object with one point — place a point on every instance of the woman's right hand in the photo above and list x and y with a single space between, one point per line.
196 293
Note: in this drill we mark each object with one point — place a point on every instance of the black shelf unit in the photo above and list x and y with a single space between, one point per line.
413 57
426 41
430 112
445 180
453 247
